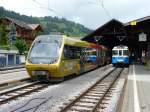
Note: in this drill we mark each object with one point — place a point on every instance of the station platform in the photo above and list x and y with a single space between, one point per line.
13 76
12 67
137 93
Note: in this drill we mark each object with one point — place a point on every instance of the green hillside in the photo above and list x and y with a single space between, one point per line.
50 24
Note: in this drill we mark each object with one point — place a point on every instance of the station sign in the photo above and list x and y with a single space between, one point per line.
142 37
133 23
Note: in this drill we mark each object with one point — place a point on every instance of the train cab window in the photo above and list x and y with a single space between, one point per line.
114 52
44 52
125 52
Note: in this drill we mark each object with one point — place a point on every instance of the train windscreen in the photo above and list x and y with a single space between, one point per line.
125 52
115 52
44 52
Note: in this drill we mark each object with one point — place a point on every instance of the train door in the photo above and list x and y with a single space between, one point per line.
70 61
90 58
99 58
82 59
102 57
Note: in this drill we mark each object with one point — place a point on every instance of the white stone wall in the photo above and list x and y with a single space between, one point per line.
5 54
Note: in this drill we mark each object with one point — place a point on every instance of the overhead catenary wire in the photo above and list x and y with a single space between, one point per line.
102 5
106 11
48 8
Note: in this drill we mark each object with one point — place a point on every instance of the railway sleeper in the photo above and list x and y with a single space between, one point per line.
81 109
84 104
93 94
88 101
90 96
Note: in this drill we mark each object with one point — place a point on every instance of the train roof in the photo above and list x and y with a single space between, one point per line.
80 43
120 47
70 41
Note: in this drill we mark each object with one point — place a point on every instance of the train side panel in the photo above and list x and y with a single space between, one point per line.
120 60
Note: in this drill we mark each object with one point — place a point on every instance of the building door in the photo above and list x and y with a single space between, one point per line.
2 60
10 59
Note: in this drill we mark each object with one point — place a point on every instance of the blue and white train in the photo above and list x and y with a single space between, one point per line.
120 56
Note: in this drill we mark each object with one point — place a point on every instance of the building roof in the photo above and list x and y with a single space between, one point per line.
2 51
108 34
106 29
23 24
138 20
33 26
114 33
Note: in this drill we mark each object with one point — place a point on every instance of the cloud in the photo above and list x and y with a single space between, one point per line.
87 12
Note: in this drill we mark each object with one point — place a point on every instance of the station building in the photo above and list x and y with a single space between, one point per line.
9 58
135 34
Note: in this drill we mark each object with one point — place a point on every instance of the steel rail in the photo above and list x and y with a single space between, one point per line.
81 97
20 91
105 94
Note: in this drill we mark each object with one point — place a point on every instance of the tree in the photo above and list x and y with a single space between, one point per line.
21 46
3 35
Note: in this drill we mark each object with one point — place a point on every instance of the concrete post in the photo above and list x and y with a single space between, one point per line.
6 59
148 57
15 59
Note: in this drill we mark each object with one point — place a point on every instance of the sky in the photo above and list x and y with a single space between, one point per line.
90 13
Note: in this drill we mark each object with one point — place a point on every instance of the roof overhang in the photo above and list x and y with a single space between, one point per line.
107 34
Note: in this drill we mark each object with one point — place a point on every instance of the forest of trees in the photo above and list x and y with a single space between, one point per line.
50 24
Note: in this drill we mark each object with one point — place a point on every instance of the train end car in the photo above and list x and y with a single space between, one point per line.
120 56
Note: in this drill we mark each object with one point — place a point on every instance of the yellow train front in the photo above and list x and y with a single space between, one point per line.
52 57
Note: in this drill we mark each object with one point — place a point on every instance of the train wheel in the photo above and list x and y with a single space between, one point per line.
56 80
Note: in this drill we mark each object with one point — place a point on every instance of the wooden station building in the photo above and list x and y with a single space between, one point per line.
135 34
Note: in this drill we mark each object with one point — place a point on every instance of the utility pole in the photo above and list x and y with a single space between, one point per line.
12 34
98 38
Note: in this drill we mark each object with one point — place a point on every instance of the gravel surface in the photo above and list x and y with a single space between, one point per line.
54 97
112 104
117 92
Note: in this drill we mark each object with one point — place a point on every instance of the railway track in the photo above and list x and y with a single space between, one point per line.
26 89
92 99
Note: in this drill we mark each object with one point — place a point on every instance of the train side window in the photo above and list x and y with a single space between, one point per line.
100 53
71 52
